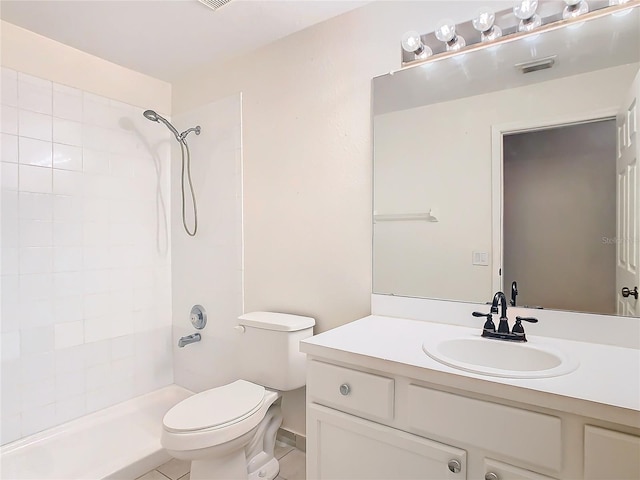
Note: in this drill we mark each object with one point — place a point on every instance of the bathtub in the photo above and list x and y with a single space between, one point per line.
119 442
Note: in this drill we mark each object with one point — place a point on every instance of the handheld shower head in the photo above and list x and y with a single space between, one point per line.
150 115
154 117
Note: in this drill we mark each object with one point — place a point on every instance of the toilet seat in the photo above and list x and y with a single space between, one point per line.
215 416
215 408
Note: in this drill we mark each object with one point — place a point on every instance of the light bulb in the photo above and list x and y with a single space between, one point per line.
412 43
525 9
446 32
574 8
483 21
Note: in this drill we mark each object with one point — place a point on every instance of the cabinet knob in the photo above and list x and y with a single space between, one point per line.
491 476
454 466
345 389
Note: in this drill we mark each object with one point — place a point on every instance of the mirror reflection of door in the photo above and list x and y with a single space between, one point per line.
559 201
628 185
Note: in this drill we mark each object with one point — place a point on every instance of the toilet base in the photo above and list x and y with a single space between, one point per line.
231 466
268 471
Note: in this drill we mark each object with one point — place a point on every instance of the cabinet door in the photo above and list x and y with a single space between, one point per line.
610 455
342 446
503 471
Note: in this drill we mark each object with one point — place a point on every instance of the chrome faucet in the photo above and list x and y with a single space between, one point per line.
186 340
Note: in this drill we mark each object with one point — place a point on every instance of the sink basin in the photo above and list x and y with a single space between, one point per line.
499 358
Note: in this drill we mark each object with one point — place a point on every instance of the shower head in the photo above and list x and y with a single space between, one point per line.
154 117
150 115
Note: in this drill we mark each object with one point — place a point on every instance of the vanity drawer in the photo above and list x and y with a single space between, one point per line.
352 391
530 437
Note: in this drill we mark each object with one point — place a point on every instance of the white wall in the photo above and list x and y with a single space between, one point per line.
424 162
307 158
85 272
207 268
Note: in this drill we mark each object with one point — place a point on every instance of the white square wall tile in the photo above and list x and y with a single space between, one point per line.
68 308
35 206
38 368
70 408
97 329
67 259
9 175
95 161
36 260
36 233
9 84
35 179
67 183
9 148
8 119
67 208
38 419
35 125
35 152
10 346
10 262
70 384
67 132
36 340
67 157
67 284
11 428
67 102
34 94
38 286
67 234
69 334
36 313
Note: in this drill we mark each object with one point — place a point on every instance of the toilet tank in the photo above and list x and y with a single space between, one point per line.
269 349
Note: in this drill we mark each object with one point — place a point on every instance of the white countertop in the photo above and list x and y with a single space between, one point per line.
606 385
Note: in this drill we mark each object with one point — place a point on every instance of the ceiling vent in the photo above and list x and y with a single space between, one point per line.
535 65
214 4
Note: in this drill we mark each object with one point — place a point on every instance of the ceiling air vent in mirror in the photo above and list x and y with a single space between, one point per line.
214 4
537 64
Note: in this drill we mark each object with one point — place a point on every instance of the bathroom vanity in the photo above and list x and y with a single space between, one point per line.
379 407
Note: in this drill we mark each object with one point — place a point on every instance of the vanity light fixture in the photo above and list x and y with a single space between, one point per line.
484 22
446 32
525 10
575 8
412 43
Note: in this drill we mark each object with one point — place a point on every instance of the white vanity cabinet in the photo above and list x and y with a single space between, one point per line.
373 424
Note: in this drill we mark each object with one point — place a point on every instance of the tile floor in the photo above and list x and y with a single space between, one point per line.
292 466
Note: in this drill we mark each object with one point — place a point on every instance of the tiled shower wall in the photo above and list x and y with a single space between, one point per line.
86 275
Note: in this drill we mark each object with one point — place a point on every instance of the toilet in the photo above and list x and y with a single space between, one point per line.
229 432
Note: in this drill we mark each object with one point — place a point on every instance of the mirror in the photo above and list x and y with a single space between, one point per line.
485 175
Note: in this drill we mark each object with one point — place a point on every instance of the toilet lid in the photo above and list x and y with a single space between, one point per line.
218 406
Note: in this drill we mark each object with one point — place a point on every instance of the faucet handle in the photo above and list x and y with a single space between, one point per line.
518 329
488 325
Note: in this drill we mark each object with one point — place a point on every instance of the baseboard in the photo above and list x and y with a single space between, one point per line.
293 439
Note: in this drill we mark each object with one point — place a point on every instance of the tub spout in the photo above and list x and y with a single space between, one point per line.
195 337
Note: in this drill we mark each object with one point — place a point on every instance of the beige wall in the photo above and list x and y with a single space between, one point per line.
28 52
306 139
307 155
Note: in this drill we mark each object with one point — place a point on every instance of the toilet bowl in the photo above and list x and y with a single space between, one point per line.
229 432
225 430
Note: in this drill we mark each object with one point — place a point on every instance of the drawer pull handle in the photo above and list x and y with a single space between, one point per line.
454 466
345 389
491 476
